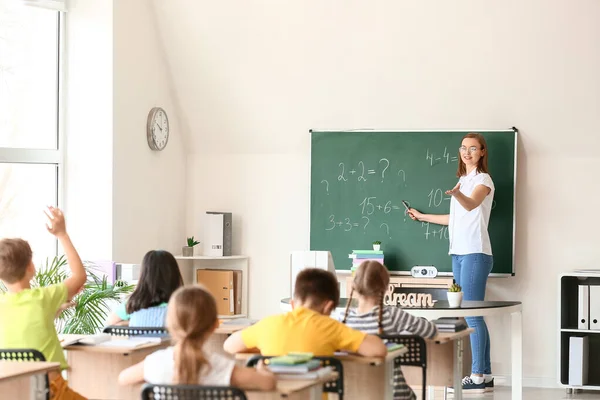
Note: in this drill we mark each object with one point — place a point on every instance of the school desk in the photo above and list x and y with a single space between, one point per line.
215 342
94 370
309 389
21 380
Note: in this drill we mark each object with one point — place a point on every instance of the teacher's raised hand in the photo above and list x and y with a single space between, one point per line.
455 190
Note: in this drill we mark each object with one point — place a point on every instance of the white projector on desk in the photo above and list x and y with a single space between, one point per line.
423 271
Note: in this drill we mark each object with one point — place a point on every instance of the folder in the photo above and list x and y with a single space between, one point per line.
578 361
583 307
220 283
237 284
594 317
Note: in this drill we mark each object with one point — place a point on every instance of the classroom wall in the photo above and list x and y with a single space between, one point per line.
254 78
149 187
122 199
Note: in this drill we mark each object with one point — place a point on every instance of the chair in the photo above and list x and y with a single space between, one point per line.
135 331
191 392
415 357
27 355
336 386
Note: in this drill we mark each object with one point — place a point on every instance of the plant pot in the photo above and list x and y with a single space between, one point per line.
187 251
455 299
376 247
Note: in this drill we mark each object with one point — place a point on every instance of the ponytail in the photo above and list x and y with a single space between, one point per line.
189 360
380 318
348 306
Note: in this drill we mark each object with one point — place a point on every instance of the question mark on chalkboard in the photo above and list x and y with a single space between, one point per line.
403 176
387 228
386 167
326 186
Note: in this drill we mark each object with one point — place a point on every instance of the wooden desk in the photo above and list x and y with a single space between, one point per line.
94 370
214 344
19 378
294 389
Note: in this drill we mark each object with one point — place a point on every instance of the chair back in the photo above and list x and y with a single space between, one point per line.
136 331
28 355
415 357
191 392
336 386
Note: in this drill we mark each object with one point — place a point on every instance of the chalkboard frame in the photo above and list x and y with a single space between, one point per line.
515 168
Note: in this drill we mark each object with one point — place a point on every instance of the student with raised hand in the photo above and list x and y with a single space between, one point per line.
27 314
308 327
370 284
191 319
472 261
147 305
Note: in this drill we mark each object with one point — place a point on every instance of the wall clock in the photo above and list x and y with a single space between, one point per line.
157 129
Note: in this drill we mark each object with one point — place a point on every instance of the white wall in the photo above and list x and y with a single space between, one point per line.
252 79
148 186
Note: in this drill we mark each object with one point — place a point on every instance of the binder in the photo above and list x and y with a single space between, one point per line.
594 318
578 361
220 283
583 307
237 284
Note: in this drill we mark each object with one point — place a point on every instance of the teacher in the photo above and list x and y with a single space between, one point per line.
470 248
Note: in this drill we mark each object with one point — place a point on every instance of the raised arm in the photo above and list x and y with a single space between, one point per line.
56 226
404 321
470 202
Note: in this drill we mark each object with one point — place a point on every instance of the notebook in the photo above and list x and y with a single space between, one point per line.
296 368
132 342
291 359
90 340
318 373
391 346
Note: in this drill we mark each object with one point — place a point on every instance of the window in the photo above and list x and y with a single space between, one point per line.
30 151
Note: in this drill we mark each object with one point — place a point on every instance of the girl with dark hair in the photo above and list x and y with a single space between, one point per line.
147 305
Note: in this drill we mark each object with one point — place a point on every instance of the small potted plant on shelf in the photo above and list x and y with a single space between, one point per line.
188 251
455 295
376 245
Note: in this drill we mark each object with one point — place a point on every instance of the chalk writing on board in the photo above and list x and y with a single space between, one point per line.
440 233
362 175
341 175
326 185
436 158
387 162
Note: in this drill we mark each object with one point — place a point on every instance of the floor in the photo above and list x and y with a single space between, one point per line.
504 393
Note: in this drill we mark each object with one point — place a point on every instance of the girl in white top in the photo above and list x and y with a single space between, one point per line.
191 319
470 248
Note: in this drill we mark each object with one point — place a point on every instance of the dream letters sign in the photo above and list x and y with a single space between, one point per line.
394 298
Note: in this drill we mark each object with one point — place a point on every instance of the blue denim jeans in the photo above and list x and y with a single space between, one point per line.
471 272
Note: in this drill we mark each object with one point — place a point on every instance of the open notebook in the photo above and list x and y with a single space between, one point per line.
105 340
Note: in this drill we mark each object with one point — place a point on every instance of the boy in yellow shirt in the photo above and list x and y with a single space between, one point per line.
27 314
308 327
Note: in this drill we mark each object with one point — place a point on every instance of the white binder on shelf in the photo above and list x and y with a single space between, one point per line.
594 297
583 307
578 361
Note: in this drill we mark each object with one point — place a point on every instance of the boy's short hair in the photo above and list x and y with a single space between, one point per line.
15 257
316 285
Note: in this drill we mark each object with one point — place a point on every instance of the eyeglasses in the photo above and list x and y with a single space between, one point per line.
470 150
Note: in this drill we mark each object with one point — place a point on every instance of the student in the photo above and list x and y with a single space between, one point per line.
470 247
26 313
371 282
147 305
191 319
308 327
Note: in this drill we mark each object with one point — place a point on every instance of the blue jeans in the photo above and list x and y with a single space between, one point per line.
471 272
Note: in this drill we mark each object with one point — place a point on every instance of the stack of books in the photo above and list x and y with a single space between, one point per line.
360 256
298 366
450 324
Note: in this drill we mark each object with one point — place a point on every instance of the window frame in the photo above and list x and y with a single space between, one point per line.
14 155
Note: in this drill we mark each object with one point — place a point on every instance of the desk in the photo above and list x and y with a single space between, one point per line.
294 389
472 309
17 378
94 370
214 344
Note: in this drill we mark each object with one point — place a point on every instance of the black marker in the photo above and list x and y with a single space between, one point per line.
406 205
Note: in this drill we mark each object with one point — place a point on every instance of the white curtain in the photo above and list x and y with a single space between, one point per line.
57 5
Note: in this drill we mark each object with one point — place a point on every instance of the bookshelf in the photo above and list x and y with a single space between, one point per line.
568 298
189 266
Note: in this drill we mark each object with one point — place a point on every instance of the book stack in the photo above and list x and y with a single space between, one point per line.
360 256
297 366
450 324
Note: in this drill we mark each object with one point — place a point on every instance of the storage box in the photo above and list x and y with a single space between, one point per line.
225 286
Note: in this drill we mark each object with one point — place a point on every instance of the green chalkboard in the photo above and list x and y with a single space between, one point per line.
358 179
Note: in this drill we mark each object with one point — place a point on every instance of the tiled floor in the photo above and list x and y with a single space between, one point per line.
503 393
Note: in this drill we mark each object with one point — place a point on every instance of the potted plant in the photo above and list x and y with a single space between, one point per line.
455 295
188 251
376 245
89 309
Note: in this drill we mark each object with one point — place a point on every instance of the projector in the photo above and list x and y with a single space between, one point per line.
420 271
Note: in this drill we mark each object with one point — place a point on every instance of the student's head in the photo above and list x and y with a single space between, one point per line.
316 289
472 151
371 280
191 318
16 262
159 278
